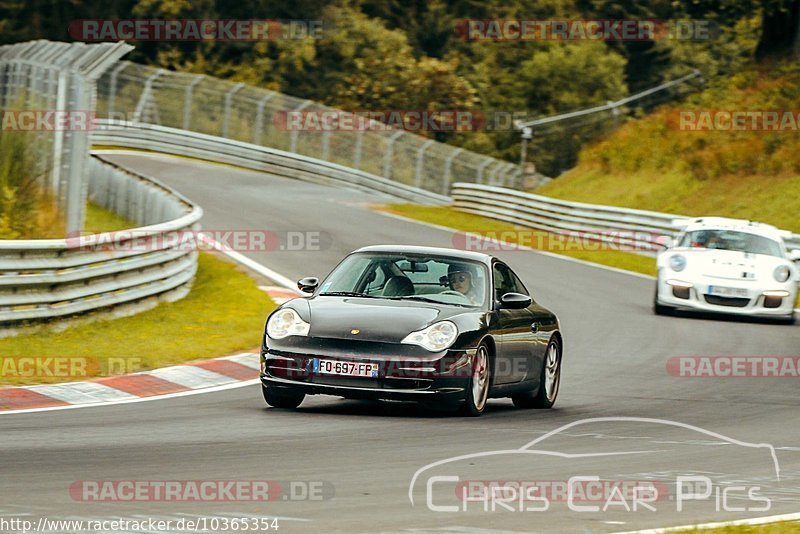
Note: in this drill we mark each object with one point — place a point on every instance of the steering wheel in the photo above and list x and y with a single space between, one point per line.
453 292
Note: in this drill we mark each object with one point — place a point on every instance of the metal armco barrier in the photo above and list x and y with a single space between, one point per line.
638 230
49 278
208 147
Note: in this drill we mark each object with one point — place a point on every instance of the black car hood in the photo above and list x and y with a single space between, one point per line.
375 319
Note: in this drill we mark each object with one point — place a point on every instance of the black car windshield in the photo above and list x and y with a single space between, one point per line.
409 277
731 240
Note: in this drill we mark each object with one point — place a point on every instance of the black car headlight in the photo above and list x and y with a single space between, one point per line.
435 338
286 322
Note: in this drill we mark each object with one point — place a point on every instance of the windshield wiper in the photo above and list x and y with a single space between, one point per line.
426 299
346 294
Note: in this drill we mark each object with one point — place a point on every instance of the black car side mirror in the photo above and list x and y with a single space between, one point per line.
515 301
308 284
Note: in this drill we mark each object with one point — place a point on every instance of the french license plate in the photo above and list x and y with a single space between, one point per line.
336 367
721 291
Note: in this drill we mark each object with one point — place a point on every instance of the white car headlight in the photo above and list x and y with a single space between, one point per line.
286 322
434 338
677 263
782 273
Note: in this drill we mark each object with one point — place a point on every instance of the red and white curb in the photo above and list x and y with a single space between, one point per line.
279 295
200 377
196 377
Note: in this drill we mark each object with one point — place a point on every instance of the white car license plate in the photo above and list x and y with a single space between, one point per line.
721 291
335 367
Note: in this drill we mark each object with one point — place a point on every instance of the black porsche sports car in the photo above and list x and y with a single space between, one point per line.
443 327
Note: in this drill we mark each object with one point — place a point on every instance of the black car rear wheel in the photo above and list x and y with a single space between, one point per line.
478 389
550 381
281 397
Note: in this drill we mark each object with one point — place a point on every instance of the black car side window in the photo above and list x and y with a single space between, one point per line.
519 287
502 281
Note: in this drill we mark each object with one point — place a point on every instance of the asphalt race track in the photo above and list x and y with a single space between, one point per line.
365 454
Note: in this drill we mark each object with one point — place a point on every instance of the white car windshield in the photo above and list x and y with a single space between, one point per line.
731 240
407 277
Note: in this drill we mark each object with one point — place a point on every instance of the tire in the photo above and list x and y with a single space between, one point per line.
481 378
549 381
660 309
281 397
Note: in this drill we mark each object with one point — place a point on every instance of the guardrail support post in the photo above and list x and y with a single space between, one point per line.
387 156
227 113
420 162
187 101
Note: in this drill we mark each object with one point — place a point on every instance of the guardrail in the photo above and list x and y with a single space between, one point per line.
645 232
219 149
47 278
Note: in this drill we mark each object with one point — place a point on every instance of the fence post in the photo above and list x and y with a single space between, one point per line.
258 128
294 133
187 101
227 114
387 156
112 90
481 168
358 148
420 161
326 144
493 175
145 96
448 170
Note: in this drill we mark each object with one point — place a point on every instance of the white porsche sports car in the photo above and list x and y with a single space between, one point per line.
728 266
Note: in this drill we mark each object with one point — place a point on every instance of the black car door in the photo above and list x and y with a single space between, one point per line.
512 331
541 327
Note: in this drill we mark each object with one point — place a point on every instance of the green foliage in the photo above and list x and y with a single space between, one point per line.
652 164
406 54
24 208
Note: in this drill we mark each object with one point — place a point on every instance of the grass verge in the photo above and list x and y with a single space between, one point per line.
785 527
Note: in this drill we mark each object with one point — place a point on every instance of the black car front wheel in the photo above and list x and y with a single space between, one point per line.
550 381
478 389
282 397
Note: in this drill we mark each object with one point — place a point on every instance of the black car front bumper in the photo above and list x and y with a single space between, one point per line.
435 378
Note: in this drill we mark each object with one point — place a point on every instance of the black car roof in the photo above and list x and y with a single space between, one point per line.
429 251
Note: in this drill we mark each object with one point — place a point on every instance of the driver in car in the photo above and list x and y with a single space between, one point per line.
461 278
